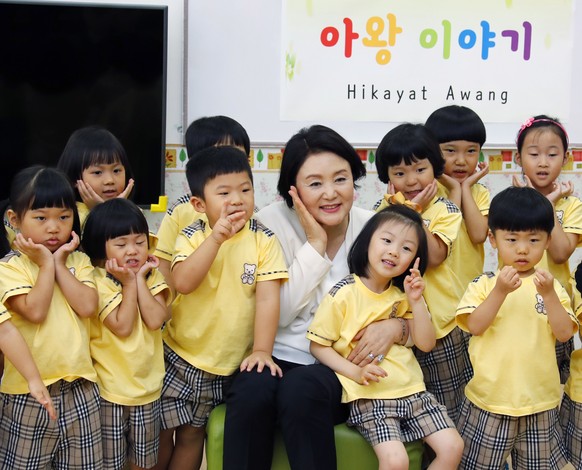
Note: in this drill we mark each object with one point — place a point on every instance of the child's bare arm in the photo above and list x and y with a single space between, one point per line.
482 317
266 322
153 309
189 274
558 317
121 320
332 359
165 267
454 188
34 305
475 221
437 249
82 298
16 351
421 327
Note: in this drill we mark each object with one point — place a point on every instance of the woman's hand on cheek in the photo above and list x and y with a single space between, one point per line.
88 195
316 235
376 338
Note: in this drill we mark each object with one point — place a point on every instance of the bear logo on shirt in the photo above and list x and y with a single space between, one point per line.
560 217
248 276
540 307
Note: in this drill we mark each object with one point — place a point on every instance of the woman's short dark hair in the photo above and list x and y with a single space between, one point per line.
456 122
111 219
358 260
312 141
409 143
215 130
92 145
519 210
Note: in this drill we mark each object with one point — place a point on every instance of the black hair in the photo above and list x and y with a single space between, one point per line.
456 122
211 162
409 143
542 121
311 141
113 218
37 187
215 130
521 209
92 145
358 261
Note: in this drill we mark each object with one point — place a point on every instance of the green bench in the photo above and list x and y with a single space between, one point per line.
352 450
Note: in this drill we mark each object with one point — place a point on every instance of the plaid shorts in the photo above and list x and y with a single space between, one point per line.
533 441
189 394
447 369
563 353
29 439
403 419
130 433
571 421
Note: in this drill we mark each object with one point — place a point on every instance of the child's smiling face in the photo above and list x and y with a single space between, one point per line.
411 179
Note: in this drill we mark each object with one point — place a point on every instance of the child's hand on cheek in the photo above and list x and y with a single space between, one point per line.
560 191
518 183
450 183
65 250
121 273
151 263
88 195
127 191
481 170
426 195
38 254
228 224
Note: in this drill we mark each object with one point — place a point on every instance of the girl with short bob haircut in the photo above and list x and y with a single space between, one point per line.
98 167
48 288
126 335
409 160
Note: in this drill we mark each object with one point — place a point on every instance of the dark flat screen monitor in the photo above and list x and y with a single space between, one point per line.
64 66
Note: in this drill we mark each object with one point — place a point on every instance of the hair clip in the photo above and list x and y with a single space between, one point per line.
526 124
533 120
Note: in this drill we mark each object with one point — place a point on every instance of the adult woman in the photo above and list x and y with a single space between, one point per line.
316 224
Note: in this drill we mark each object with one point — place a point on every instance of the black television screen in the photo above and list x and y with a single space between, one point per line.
64 66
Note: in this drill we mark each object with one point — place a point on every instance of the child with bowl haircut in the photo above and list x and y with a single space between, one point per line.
228 270
515 316
461 134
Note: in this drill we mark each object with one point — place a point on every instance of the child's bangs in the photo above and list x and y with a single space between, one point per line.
52 191
120 224
101 157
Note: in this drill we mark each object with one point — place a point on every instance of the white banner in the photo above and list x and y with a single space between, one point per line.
399 60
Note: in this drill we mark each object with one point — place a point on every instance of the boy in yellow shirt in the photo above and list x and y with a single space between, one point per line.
228 269
515 316
202 133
